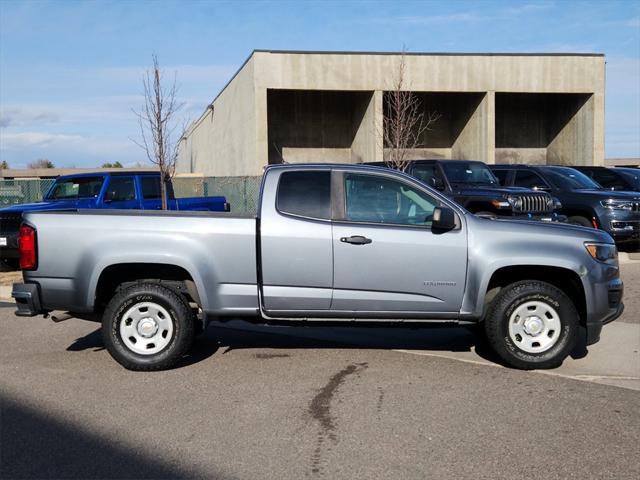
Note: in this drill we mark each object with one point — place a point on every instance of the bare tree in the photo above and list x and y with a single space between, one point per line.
158 124
41 163
404 121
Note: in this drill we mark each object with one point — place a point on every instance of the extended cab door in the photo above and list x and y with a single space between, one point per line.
296 252
386 257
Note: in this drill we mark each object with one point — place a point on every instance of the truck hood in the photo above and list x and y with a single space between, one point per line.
41 206
489 191
606 194
547 233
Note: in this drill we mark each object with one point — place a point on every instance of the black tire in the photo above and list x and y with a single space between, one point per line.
181 318
578 220
516 295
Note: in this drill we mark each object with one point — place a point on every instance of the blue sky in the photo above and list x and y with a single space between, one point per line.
70 72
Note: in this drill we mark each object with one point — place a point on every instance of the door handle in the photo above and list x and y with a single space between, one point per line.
356 240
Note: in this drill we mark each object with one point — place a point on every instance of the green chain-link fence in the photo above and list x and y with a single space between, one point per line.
241 192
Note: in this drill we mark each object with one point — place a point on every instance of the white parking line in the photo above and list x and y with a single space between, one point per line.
629 382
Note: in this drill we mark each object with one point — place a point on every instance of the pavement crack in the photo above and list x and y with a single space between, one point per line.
320 410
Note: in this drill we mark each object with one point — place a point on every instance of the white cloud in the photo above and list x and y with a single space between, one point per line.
16 141
18 116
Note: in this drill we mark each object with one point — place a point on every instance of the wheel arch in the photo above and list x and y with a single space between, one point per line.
107 280
562 278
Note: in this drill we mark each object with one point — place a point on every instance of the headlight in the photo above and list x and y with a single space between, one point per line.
516 202
603 252
557 204
617 204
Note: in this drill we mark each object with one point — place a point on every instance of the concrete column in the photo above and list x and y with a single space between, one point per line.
365 142
574 143
262 131
471 143
490 125
598 129
378 114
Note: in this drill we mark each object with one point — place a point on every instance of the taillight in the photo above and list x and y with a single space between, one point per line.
27 248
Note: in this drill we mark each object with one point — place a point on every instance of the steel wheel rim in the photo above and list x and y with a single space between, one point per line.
146 328
534 326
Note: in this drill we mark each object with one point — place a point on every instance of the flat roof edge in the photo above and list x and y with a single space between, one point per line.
435 54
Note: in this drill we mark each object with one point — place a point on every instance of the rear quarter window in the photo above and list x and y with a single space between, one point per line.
306 194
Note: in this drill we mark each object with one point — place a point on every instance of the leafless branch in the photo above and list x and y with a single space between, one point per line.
404 121
158 124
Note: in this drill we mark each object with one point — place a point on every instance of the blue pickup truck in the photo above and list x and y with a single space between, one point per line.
114 190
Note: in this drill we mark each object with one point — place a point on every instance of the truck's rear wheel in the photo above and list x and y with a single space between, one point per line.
147 326
532 324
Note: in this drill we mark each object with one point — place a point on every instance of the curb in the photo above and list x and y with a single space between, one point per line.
5 294
626 257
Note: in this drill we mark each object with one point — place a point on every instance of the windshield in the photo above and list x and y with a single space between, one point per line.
472 173
631 175
566 178
70 188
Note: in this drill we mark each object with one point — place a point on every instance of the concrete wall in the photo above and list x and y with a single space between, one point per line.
541 128
222 142
241 145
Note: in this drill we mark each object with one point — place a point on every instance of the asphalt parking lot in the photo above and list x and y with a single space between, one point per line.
279 402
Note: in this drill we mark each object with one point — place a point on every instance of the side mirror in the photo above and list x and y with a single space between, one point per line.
444 219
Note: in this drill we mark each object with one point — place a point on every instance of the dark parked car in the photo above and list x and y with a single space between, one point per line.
619 178
584 201
471 184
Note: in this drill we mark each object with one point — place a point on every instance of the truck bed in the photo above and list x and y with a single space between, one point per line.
220 246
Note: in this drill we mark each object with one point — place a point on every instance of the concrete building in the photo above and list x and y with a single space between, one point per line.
328 107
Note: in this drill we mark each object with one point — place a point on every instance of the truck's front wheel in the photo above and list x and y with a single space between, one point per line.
532 324
147 326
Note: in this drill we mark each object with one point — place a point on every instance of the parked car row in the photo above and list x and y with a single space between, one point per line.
119 190
547 193
473 185
584 201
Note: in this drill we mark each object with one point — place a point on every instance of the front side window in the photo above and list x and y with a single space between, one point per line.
429 174
632 176
566 178
529 179
376 199
468 173
609 179
150 187
121 189
71 188
307 194
501 175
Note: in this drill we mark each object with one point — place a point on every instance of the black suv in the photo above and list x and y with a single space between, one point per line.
620 178
585 202
471 184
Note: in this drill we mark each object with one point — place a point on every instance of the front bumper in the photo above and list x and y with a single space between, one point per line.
27 297
608 297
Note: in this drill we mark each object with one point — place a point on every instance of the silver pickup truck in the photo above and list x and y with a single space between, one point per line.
339 243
